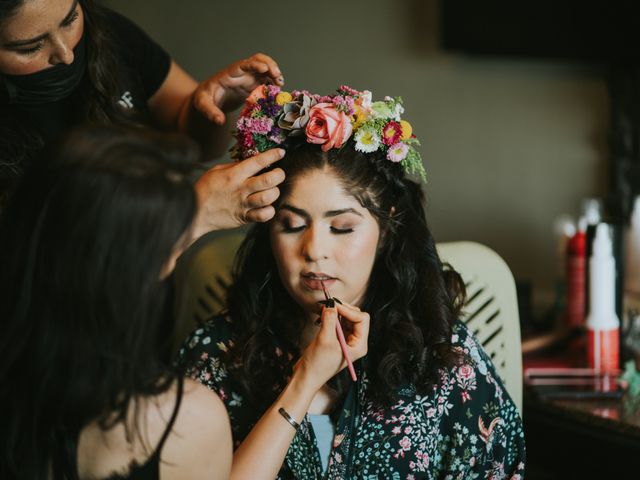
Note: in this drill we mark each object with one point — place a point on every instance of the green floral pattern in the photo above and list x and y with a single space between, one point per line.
467 427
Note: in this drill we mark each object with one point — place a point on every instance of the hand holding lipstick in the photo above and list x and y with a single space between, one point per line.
343 344
324 357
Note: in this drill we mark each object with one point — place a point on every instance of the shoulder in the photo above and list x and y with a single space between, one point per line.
465 423
138 50
201 425
123 27
474 375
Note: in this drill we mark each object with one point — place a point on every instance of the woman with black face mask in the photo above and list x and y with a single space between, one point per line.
64 62
87 245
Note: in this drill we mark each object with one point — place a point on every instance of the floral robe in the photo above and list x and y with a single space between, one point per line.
467 427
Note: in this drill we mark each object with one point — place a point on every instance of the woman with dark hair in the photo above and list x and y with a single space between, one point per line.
426 401
65 62
87 245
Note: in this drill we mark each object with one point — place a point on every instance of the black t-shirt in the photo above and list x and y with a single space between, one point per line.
142 64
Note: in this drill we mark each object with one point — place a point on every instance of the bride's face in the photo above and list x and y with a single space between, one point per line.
322 233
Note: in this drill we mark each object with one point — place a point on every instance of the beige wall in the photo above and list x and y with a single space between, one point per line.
508 144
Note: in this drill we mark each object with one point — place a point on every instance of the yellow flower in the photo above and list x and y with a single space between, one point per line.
283 97
359 117
407 130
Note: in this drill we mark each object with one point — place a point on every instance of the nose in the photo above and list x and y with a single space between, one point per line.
314 245
61 53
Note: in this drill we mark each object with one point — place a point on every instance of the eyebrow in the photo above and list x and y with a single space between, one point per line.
329 213
21 43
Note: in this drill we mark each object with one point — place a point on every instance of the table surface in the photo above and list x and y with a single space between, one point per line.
582 438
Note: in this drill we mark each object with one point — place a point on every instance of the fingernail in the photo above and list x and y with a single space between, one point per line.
337 300
280 79
327 303
281 152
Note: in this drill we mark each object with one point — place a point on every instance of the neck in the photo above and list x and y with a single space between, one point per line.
309 332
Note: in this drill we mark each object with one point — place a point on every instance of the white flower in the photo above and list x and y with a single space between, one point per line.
367 140
399 110
365 101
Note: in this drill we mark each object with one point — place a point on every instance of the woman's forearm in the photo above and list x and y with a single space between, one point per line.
262 452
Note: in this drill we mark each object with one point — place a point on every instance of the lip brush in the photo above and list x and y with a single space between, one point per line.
340 334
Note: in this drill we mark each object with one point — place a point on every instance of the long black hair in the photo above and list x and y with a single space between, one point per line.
413 299
96 101
84 313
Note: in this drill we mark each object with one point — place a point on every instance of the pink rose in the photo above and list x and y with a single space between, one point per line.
327 126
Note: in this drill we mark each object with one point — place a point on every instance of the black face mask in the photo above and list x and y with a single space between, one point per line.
49 85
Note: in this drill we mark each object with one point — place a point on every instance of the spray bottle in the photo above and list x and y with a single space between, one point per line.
575 277
603 325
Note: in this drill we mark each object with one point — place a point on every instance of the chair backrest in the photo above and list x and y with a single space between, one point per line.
491 310
201 279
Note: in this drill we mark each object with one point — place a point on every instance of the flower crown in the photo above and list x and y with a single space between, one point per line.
272 116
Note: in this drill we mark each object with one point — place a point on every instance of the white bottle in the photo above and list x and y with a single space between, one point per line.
603 325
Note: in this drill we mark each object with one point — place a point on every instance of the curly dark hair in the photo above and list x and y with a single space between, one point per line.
84 314
413 299
20 140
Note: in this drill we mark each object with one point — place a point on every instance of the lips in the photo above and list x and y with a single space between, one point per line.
317 276
314 280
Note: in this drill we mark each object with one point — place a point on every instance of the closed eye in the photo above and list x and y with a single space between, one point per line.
291 229
31 50
74 16
341 231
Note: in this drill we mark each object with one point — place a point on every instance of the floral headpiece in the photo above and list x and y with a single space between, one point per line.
271 116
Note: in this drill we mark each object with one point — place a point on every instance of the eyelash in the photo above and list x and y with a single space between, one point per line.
334 230
74 16
38 47
32 50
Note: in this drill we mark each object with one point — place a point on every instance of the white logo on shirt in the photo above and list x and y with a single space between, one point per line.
126 101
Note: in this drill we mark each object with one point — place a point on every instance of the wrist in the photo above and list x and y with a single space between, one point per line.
305 381
202 223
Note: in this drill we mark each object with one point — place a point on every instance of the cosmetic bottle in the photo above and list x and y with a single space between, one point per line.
564 229
603 325
575 277
592 212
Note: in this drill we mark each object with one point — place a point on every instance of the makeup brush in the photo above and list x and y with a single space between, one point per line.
340 334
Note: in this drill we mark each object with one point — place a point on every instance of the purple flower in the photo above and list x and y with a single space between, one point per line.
277 135
269 107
